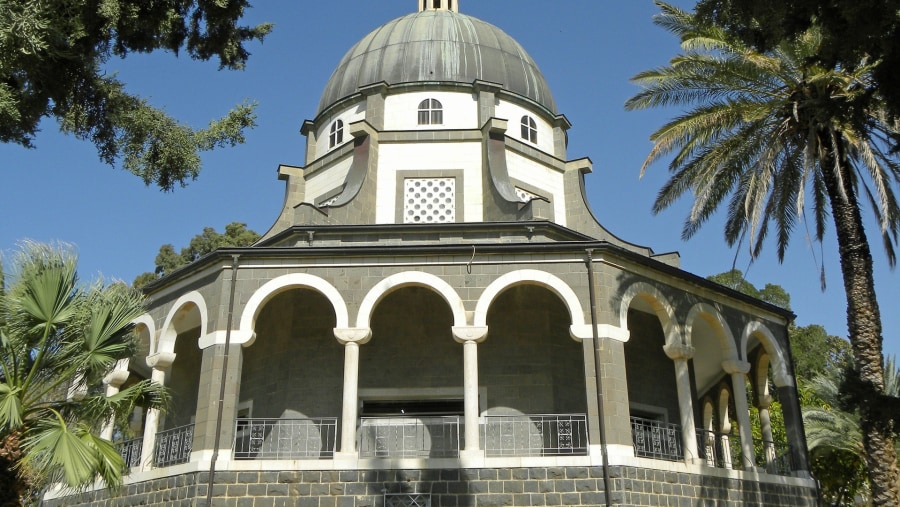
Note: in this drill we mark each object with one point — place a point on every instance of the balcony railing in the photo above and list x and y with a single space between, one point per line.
285 438
409 437
535 435
130 450
174 446
775 457
656 439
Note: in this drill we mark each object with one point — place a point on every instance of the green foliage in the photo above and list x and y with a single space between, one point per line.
778 136
816 352
761 128
853 32
834 435
167 260
771 293
52 54
59 337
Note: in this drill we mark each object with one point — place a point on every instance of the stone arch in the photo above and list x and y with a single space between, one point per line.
145 326
408 279
661 308
529 276
281 284
723 333
172 326
780 371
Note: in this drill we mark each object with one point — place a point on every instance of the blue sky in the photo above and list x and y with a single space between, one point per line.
587 50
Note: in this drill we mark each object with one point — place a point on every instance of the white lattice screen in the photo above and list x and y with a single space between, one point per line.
525 195
429 200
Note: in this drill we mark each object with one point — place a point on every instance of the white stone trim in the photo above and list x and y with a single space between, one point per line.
605 331
780 375
712 316
661 307
146 321
238 337
169 334
534 277
291 281
410 279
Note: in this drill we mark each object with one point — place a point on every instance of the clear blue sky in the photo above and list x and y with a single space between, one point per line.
587 50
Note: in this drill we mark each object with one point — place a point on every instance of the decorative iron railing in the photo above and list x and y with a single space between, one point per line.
174 446
774 457
409 437
285 438
130 450
535 435
656 439
720 450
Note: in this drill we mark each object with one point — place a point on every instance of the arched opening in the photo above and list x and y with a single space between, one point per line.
291 380
173 442
532 373
714 350
652 387
411 378
771 449
129 436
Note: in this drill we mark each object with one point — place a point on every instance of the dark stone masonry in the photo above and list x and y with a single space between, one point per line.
569 486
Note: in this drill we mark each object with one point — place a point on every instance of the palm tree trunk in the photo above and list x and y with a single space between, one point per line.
13 486
864 326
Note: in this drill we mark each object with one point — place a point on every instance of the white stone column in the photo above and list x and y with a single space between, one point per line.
765 424
351 339
725 442
113 382
470 337
680 355
159 363
738 371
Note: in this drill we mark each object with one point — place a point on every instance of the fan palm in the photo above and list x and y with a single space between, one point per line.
59 338
773 134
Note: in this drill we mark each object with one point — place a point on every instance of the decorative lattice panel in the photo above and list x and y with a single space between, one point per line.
429 200
407 499
525 195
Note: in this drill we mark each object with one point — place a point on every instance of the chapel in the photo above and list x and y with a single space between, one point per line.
437 318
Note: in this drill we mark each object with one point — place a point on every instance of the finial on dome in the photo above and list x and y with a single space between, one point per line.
438 5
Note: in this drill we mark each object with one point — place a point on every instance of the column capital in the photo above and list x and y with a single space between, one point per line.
358 335
161 360
475 334
116 378
676 351
604 331
733 366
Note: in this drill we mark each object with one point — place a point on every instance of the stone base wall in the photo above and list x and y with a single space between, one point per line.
569 486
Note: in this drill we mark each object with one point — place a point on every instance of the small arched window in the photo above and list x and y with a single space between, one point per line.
529 129
336 134
431 112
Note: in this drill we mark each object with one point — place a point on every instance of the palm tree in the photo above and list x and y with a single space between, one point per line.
834 437
60 338
775 133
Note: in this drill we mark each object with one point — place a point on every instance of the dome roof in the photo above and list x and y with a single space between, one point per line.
438 46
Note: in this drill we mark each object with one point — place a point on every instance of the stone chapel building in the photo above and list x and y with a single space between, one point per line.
437 318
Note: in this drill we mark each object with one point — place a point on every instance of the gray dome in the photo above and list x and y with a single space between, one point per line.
438 46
